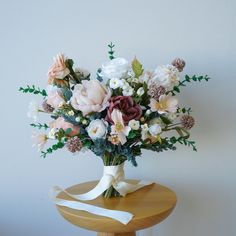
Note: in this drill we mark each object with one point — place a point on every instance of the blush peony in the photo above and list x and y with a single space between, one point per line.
90 96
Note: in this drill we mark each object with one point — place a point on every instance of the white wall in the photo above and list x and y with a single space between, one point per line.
202 32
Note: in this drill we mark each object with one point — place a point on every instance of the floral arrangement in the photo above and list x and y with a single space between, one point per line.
116 115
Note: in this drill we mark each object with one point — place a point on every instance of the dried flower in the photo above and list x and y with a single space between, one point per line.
155 90
74 144
179 64
187 121
46 107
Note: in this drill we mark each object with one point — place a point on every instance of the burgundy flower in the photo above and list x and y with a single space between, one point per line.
130 109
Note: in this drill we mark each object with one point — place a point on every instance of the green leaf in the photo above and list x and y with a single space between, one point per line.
132 134
165 120
137 68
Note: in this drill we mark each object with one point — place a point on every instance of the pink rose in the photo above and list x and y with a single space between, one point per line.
58 70
60 123
130 109
55 98
90 96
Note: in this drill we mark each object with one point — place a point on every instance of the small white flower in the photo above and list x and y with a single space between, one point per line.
115 83
52 133
140 91
97 129
172 116
129 91
134 124
148 112
144 131
154 130
84 122
78 119
33 110
70 113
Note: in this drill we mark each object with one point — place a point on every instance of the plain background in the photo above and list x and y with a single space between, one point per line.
202 32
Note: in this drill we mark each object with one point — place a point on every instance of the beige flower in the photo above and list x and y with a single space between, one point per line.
39 140
90 96
58 70
55 98
166 104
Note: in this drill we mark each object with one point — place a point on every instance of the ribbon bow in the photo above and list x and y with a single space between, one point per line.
112 176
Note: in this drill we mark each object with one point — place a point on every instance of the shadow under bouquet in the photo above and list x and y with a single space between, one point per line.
115 114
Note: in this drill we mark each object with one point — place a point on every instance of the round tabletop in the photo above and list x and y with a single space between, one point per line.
149 205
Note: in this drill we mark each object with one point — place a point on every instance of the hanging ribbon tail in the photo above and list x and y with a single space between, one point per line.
121 216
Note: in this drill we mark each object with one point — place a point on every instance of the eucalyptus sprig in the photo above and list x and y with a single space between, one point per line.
40 126
188 79
111 51
184 141
34 90
53 148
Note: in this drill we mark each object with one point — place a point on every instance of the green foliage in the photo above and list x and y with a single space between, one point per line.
111 51
133 134
184 110
72 76
40 126
184 141
137 68
188 79
53 148
33 90
165 120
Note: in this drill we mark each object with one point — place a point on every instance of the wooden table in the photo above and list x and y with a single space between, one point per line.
150 205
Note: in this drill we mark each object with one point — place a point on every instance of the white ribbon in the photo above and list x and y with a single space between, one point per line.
112 176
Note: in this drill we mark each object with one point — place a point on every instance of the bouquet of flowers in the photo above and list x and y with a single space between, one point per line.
117 114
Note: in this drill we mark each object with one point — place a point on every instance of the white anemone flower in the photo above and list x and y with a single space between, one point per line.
97 129
115 83
134 124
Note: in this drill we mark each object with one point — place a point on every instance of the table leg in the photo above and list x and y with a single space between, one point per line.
117 234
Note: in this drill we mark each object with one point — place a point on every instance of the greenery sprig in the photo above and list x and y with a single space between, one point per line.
33 90
40 126
188 79
111 51
184 141
53 148
184 110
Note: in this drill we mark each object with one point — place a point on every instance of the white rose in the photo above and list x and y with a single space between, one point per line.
116 68
115 83
134 124
166 76
97 129
155 129
140 91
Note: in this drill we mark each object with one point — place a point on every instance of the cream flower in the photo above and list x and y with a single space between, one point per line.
154 130
55 97
39 140
97 129
144 131
58 70
166 76
134 124
90 96
128 91
166 103
119 127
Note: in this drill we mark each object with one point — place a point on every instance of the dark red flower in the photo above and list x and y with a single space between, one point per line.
129 108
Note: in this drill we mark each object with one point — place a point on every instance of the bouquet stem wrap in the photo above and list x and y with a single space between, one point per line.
112 176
